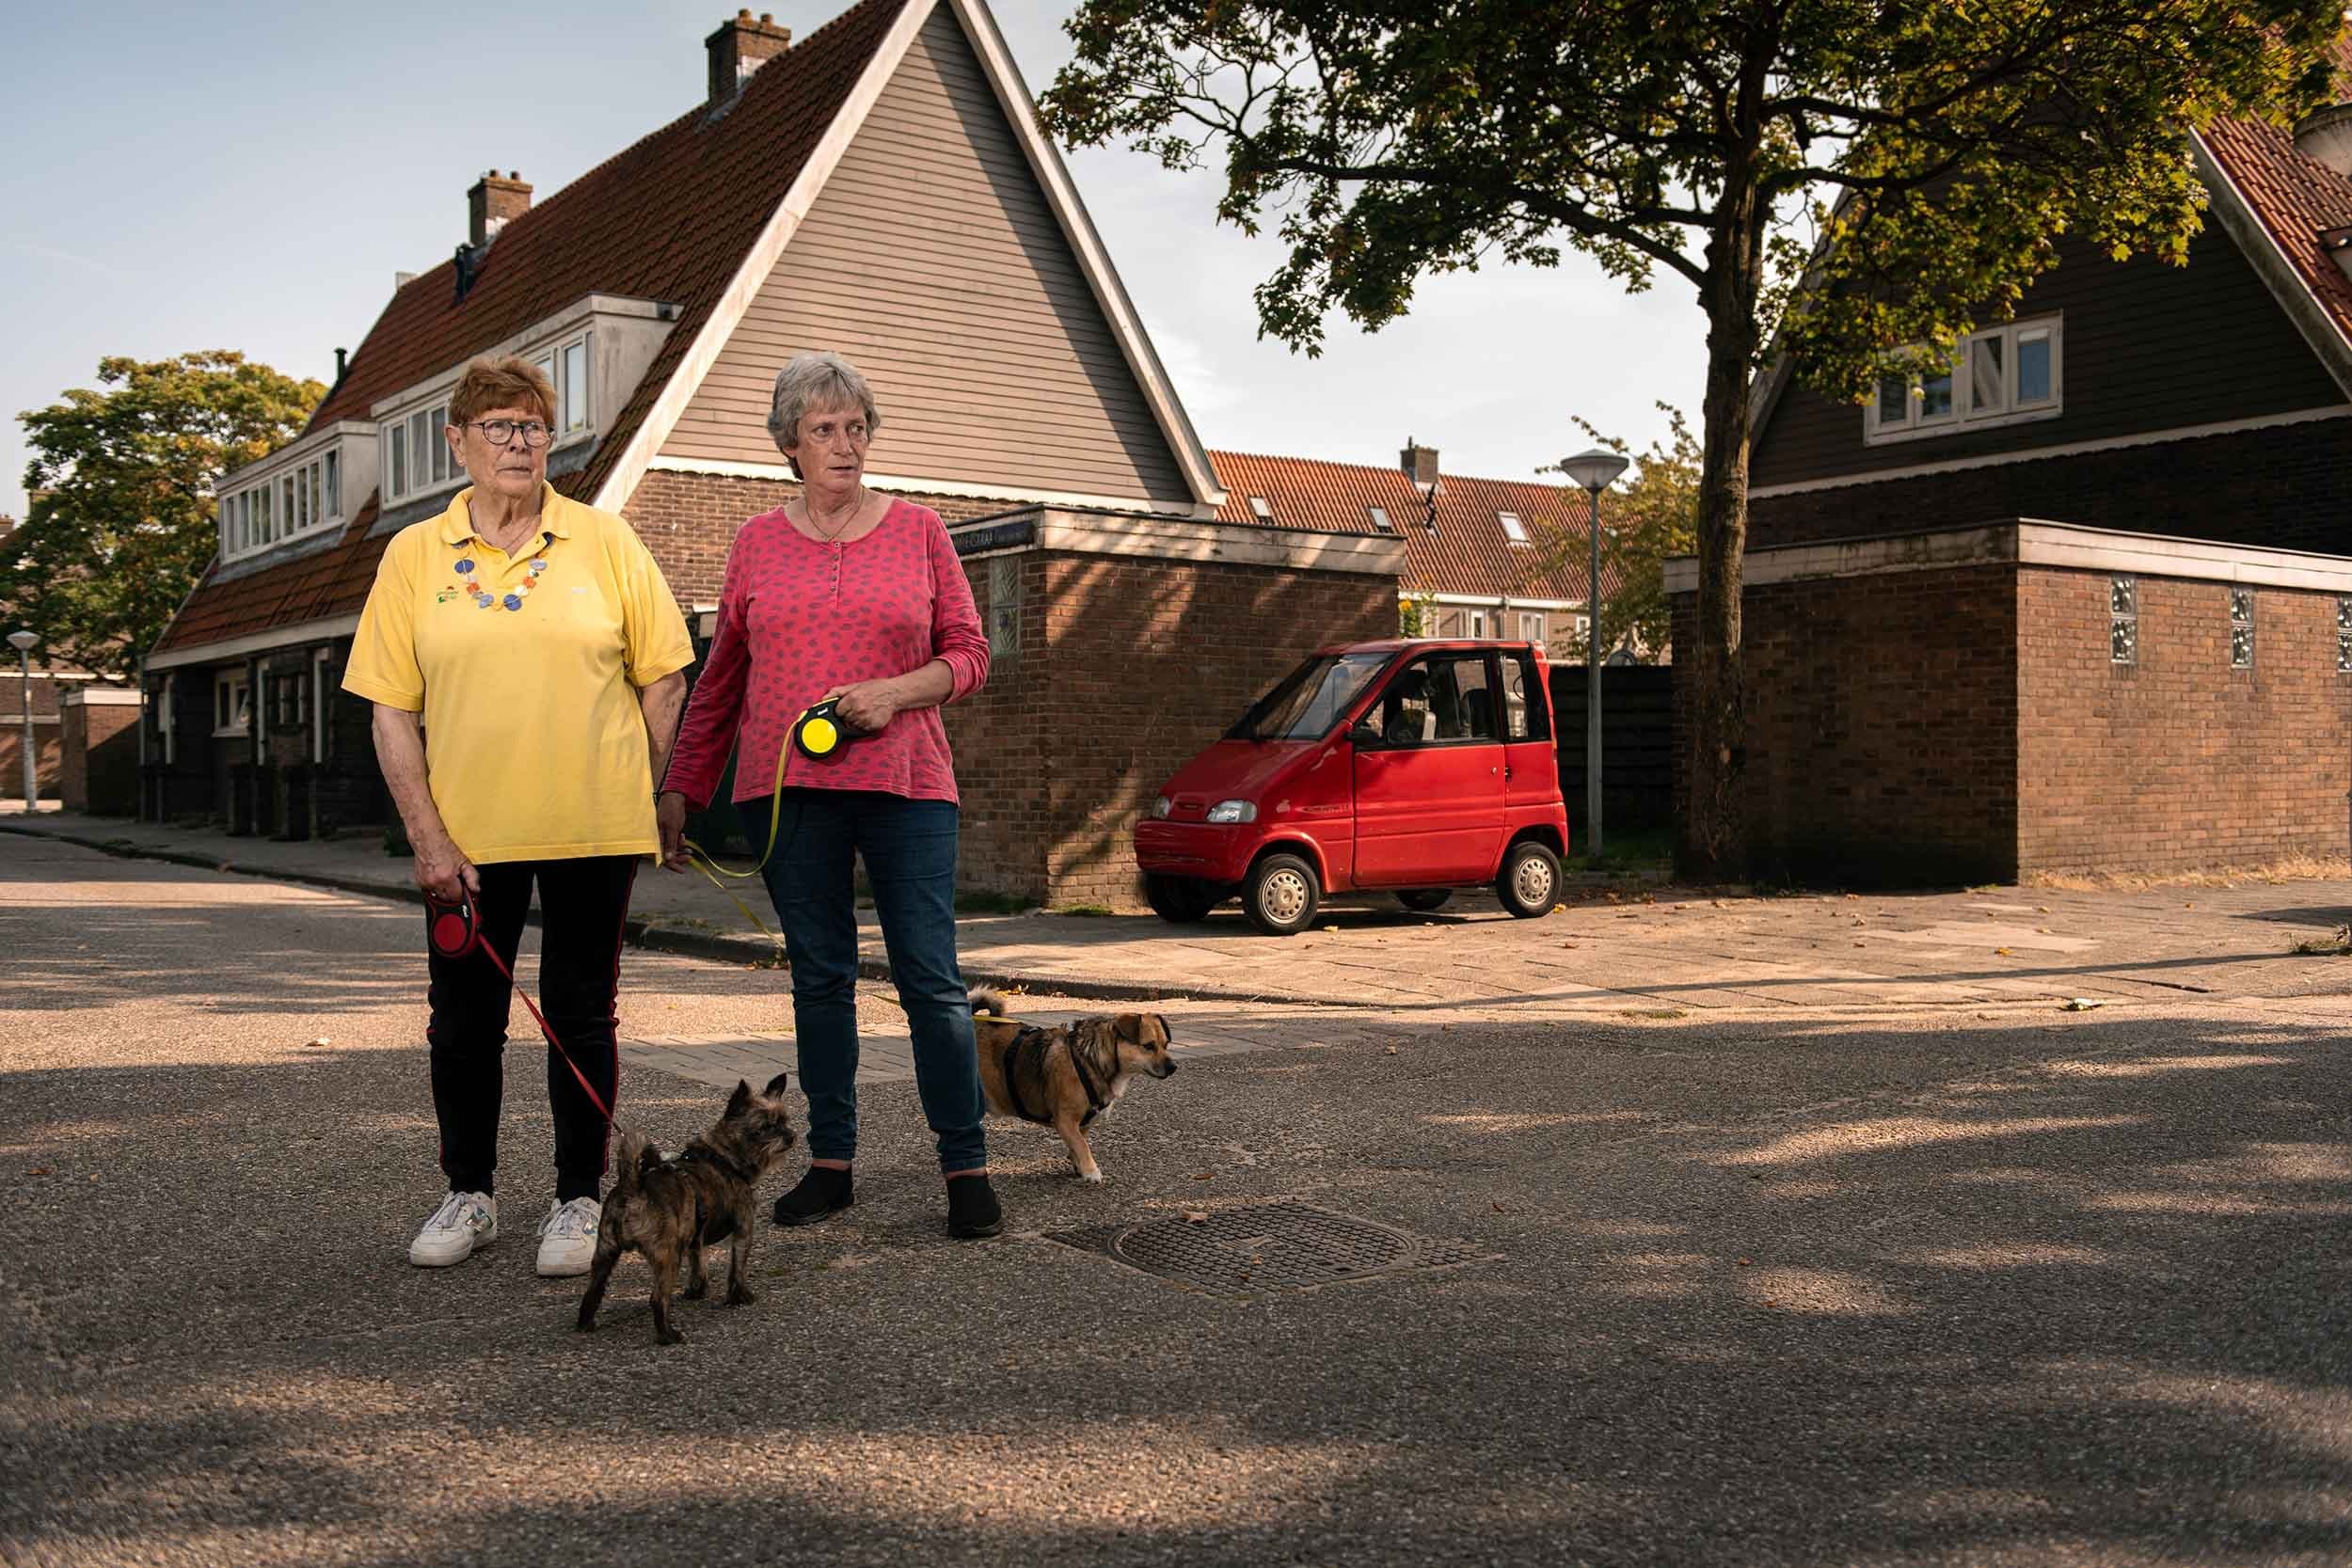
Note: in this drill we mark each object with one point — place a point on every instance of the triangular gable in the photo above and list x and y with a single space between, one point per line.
934 240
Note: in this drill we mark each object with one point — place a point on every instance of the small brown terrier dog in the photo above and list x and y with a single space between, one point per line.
1064 1077
669 1209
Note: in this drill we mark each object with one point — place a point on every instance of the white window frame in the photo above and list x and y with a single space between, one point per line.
1379 516
1261 509
1916 424
570 421
257 517
1513 529
429 470
1531 625
168 712
238 687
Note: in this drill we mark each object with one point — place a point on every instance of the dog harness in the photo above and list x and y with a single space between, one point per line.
1035 1042
710 1229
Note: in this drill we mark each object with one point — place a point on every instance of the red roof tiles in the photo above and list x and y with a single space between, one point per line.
671 219
2296 199
1468 552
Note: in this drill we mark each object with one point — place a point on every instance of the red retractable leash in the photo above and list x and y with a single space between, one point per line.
452 931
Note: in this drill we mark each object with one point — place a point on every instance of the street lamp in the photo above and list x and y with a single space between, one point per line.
1596 470
22 642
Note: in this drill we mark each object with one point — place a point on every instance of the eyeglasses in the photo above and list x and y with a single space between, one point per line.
499 432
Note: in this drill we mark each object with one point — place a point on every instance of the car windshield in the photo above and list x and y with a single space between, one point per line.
1311 699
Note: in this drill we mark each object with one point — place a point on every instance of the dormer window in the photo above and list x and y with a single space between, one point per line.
1513 529
417 459
292 500
2002 376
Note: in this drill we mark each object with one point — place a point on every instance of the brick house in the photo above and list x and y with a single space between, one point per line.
1483 557
880 187
2084 602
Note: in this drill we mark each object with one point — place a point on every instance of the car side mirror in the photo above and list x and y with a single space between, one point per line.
1366 733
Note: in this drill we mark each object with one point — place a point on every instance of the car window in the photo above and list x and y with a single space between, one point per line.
1309 700
1436 698
1525 715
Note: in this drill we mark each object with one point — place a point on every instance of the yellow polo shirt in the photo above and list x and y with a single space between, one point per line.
526 668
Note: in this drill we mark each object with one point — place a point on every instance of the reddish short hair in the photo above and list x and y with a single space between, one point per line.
507 382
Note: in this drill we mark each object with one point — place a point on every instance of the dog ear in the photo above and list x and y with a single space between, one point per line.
740 1100
1129 1027
1167 1035
776 1085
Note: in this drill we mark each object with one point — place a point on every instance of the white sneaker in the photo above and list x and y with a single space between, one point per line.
463 1222
567 1237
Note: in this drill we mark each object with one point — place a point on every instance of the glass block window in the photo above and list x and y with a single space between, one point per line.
2123 619
2344 633
2241 629
1004 608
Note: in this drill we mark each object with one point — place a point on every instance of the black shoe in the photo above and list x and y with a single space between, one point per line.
823 1190
972 1207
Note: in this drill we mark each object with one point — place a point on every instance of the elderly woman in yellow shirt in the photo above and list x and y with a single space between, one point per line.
538 642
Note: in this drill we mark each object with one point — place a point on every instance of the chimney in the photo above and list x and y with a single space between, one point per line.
1420 464
491 203
342 358
740 47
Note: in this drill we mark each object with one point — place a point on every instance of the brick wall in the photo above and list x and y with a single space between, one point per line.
688 522
2178 761
1882 744
2283 487
46 751
99 771
1127 667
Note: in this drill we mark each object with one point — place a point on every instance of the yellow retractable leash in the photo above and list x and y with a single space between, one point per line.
821 732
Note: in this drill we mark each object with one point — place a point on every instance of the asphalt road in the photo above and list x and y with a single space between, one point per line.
1872 1288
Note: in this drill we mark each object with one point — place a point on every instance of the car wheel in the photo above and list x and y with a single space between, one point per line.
1421 900
1180 900
1281 895
1529 884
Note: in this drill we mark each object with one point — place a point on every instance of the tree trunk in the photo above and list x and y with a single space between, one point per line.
1713 841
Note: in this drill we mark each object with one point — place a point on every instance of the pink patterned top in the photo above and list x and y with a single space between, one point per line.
798 618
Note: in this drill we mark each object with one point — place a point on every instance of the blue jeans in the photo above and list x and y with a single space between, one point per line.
909 847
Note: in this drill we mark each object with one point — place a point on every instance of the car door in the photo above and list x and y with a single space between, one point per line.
1530 762
1429 786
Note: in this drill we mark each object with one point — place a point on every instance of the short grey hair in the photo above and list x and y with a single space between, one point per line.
821 379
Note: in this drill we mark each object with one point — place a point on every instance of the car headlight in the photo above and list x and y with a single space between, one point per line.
1160 807
1233 810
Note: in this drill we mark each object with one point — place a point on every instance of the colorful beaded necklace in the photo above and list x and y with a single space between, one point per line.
482 598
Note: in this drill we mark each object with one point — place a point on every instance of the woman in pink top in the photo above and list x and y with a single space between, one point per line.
850 595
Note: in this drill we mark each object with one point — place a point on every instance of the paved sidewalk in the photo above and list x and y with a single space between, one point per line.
1658 955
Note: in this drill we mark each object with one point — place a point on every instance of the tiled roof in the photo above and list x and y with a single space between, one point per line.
1468 553
2294 197
671 219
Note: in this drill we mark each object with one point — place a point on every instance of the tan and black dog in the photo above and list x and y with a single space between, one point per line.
1064 1077
668 1211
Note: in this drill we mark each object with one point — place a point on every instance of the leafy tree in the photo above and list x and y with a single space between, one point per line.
1646 519
121 521
1938 150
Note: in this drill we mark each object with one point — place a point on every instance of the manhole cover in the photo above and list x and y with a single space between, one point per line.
1267 1246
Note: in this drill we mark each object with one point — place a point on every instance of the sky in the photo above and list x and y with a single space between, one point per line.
248 175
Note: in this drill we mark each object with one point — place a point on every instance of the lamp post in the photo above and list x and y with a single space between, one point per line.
1595 471
22 642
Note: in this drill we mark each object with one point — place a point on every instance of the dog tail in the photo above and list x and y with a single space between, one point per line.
636 1152
990 1002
